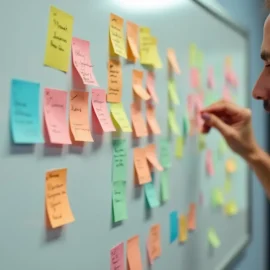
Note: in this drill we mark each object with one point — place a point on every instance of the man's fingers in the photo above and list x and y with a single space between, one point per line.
205 129
223 107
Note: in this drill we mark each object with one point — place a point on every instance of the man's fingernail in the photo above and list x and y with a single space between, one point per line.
205 116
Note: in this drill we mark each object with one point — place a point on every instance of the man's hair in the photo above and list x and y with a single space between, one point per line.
267 3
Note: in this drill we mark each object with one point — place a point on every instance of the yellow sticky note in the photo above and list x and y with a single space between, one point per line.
179 146
172 92
227 185
146 43
173 122
120 117
154 55
213 238
202 143
183 229
59 36
231 208
217 197
231 166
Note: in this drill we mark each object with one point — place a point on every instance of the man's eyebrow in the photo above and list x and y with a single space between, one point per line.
265 55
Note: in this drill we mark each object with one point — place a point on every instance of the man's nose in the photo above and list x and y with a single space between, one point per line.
261 89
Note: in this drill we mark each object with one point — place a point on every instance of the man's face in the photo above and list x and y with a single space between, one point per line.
262 87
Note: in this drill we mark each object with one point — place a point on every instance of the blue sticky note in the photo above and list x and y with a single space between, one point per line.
151 195
25 121
173 226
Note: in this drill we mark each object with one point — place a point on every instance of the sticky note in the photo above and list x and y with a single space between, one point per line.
137 78
151 195
173 226
117 257
192 54
154 54
151 119
117 40
150 85
173 61
57 203
141 166
183 229
25 121
199 59
55 105
134 254
146 43
186 126
179 146
192 217
79 116
210 78
231 208
213 238
231 166
114 94
132 41
165 153
120 117
138 122
164 186
217 197
119 172
222 147
151 156
101 110
58 44
172 92
194 78
227 185
173 122
201 142
119 201
226 94
154 243
209 163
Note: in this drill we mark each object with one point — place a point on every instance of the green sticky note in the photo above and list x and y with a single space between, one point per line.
172 92
186 126
165 155
217 197
201 143
179 146
227 184
192 54
173 122
164 186
199 59
151 195
213 238
119 172
222 147
119 201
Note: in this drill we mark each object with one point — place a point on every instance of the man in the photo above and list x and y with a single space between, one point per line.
234 122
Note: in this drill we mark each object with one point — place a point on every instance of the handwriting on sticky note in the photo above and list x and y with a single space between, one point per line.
101 110
139 125
117 40
154 54
57 203
165 153
164 186
119 201
134 253
213 238
183 229
150 85
179 147
137 78
79 116
26 126
151 195
58 42
114 94
132 41
151 156
210 78
117 257
154 243
173 122
55 103
141 166
172 92
146 43
119 115
209 163
192 217
173 226
231 165
151 119
173 61
82 62
119 160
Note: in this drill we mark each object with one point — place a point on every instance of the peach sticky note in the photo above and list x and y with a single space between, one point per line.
151 119
117 257
141 166
58 44
120 117
114 94
55 106
210 78
138 122
150 85
173 61
154 243
151 156
137 78
192 217
101 110
209 163
132 41
79 116
117 40
134 254
81 61
57 203
231 166
183 229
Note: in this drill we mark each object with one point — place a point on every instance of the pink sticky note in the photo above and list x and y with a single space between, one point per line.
198 106
226 93
194 78
101 110
209 163
150 85
210 78
81 61
117 257
190 104
55 105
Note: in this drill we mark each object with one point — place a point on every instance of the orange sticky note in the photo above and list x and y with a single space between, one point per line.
141 166
132 41
101 110
114 94
154 243
81 60
150 85
183 229
55 106
137 78
173 61
79 116
57 203
134 253
151 119
151 156
231 166
192 217
139 125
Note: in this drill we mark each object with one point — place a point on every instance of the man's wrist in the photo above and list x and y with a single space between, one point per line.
254 155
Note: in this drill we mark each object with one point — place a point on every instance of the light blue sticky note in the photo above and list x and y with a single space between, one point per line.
25 121
173 226
119 172
151 195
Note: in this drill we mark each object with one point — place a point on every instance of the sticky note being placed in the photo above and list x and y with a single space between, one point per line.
119 201
146 43
137 78
114 94
231 166
231 208
173 122
58 44
173 61
192 217
117 257
79 116
165 153
150 85
120 117
151 119
134 254
179 147
194 78
173 226
151 156
26 126
154 243
141 166
164 186
217 197
213 238
172 92
132 41
57 203
101 110
183 229
209 163
117 40
210 78
119 172
55 103
138 122
151 195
